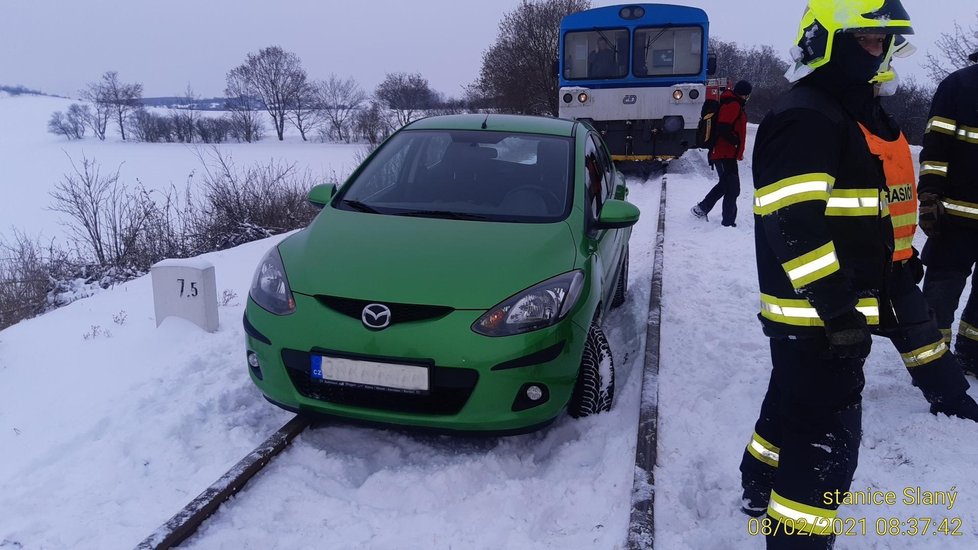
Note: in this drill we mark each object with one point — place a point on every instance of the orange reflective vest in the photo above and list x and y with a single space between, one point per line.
901 189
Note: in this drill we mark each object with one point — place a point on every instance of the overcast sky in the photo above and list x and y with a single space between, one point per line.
57 46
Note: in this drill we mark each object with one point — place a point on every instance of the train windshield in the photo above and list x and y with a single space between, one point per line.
596 54
668 51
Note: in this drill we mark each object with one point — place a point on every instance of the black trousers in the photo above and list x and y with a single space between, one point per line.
807 435
728 188
914 333
950 258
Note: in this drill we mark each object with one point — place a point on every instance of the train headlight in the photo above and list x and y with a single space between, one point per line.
694 93
568 98
677 94
582 97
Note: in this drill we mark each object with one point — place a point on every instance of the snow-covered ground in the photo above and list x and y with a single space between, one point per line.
109 425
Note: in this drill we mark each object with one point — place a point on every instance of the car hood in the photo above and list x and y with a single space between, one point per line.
457 263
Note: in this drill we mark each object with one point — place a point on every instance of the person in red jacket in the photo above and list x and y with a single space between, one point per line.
729 148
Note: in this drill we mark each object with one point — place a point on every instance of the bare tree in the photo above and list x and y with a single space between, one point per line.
370 124
185 118
243 108
953 51
762 67
123 98
98 117
305 112
341 99
71 125
517 70
103 216
276 77
405 95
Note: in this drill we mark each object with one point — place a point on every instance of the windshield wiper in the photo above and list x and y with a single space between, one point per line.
442 214
360 206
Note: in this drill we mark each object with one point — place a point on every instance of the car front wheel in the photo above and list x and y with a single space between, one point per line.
595 387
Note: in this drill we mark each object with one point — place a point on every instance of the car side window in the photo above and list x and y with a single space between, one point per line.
608 168
596 190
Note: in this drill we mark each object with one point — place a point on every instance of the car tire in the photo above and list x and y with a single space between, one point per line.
595 387
622 287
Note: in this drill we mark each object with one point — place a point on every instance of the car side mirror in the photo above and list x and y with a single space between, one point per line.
616 214
711 64
320 195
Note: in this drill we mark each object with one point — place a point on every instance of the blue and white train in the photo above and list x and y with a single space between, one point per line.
639 73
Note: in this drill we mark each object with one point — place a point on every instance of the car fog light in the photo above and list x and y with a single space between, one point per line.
534 393
582 97
677 95
253 360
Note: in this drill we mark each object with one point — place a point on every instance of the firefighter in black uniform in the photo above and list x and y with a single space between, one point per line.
949 207
825 248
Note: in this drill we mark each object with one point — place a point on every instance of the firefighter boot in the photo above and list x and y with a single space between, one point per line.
961 407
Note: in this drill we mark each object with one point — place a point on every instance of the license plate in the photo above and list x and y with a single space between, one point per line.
391 376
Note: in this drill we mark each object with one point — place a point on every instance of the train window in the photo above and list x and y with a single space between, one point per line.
668 51
596 54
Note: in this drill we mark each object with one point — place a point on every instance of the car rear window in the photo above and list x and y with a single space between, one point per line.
491 176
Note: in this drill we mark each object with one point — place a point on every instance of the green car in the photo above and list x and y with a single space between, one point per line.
456 281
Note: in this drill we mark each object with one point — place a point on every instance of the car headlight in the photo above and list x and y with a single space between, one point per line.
538 307
270 287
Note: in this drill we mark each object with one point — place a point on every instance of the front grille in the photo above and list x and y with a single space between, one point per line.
400 313
450 389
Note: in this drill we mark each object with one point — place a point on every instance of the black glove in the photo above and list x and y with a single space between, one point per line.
915 267
848 336
931 214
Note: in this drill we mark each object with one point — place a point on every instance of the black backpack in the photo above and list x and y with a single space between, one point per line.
706 130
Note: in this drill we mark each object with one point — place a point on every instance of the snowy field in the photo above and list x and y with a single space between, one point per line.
106 432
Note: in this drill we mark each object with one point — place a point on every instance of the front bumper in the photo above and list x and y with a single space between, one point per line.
478 383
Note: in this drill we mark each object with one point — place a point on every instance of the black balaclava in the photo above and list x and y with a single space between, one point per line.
855 64
848 72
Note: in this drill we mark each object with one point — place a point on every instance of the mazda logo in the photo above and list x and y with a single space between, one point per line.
376 316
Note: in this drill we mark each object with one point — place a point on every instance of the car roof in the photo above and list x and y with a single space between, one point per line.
525 124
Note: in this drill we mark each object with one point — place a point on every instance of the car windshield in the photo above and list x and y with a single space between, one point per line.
489 176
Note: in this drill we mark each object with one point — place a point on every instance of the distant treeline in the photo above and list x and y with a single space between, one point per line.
22 90
202 104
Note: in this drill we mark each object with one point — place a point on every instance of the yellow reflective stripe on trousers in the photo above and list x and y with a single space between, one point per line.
800 313
763 450
946 333
802 517
793 190
961 208
942 125
968 331
924 355
812 266
967 133
933 167
853 202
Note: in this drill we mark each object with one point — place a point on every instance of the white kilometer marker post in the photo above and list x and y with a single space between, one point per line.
185 288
